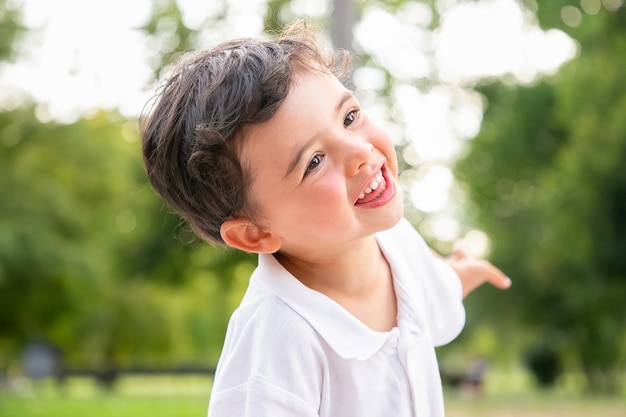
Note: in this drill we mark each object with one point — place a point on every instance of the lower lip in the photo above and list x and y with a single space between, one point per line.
385 196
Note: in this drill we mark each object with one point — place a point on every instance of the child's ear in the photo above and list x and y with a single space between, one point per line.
242 234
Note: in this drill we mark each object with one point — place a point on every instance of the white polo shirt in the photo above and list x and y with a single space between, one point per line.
292 351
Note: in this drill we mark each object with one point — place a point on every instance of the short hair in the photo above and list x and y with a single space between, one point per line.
193 134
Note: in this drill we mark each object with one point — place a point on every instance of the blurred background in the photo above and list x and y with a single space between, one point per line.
509 118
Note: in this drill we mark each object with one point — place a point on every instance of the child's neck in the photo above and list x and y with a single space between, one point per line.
359 280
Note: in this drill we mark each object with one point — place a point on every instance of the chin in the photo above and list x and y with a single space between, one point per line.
393 217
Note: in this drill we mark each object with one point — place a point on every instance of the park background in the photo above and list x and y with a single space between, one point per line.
509 118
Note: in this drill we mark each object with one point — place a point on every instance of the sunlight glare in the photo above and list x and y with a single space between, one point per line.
444 227
491 38
408 58
427 119
431 193
476 243
73 65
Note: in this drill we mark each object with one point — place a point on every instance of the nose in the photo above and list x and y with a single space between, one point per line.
358 154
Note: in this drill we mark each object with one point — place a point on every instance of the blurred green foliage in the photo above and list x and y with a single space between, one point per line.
546 180
90 259
11 29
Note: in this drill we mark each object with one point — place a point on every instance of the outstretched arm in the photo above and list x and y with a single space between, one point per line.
475 272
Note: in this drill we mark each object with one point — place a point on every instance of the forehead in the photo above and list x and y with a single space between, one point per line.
310 105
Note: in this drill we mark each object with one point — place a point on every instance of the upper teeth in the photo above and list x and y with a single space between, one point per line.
376 182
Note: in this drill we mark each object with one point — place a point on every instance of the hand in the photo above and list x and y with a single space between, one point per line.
475 272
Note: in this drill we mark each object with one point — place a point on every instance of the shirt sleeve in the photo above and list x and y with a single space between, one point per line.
258 398
446 311
441 286
270 365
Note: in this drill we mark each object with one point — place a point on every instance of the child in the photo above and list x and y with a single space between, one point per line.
260 147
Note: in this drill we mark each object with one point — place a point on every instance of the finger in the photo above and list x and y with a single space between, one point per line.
498 279
504 282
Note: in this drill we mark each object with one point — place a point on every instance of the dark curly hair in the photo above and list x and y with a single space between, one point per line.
194 131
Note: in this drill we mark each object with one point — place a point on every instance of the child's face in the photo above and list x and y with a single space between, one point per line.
323 174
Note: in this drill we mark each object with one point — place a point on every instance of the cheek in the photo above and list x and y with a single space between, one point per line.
324 200
326 190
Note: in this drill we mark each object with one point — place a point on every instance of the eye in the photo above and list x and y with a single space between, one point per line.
351 117
316 161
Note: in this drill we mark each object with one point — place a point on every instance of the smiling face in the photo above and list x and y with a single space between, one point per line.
323 174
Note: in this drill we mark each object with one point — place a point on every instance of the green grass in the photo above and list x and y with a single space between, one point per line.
133 396
534 404
510 392
104 407
188 397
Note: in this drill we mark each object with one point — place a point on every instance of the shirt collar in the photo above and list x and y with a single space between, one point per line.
344 333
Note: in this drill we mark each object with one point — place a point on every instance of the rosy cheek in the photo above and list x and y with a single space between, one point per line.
328 187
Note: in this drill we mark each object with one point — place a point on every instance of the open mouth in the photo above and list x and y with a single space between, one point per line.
378 192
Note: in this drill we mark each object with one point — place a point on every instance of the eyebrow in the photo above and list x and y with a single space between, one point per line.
347 95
